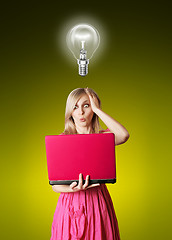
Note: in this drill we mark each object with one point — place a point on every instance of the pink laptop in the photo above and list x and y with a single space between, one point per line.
89 154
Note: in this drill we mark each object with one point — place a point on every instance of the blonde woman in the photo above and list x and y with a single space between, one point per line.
86 211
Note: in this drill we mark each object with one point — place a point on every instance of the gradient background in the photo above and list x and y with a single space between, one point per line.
131 72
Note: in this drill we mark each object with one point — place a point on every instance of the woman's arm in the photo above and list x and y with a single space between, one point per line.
60 188
121 133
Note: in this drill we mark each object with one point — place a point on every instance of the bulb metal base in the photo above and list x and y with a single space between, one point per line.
83 67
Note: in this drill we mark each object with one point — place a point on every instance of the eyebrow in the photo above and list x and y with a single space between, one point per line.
83 102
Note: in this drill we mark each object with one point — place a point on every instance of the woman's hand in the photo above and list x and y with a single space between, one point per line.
72 187
93 101
80 186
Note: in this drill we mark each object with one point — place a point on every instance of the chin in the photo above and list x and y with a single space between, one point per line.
84 123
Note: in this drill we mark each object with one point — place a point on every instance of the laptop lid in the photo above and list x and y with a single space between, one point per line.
89 154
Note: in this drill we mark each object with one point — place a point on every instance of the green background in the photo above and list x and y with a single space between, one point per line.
131 72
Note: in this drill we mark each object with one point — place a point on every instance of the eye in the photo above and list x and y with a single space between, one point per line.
84 106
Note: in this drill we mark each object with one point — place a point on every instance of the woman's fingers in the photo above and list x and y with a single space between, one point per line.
80 181
86 182
94 185
80 186
87 91
85 186
72 185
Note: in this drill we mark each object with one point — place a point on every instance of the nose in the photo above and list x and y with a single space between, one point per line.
81 110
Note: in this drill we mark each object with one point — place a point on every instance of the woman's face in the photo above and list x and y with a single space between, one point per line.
82 112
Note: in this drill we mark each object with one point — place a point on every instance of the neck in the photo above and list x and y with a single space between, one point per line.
84 130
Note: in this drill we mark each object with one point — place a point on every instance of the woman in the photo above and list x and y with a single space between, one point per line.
86 211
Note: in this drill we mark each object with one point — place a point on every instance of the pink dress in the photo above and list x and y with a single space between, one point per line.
85 215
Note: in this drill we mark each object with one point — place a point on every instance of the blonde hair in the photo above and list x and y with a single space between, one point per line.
72 98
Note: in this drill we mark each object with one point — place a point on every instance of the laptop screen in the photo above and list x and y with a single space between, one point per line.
89 154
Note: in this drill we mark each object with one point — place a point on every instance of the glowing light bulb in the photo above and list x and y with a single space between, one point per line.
83 40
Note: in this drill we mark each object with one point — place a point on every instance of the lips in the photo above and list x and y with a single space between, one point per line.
82 119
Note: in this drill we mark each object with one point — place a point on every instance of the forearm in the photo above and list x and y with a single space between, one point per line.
61 188
114 126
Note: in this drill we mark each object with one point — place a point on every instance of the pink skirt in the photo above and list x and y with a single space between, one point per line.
85 215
